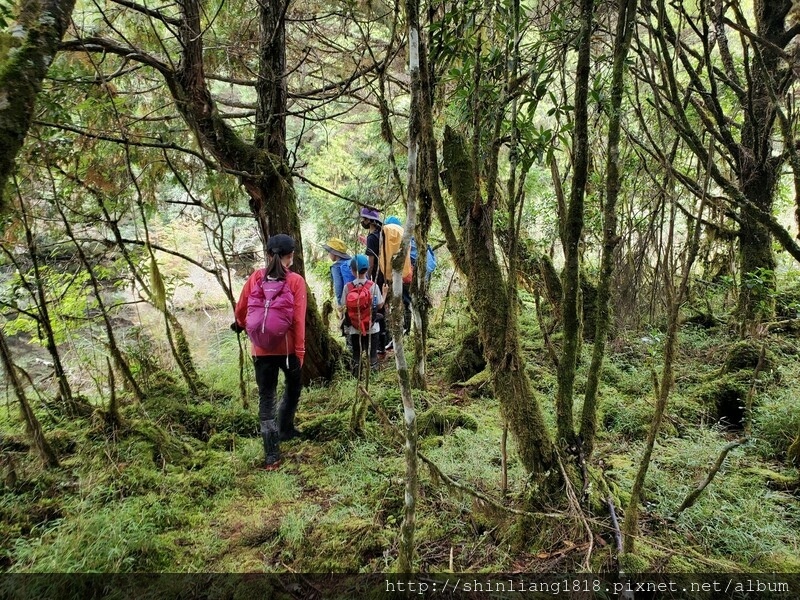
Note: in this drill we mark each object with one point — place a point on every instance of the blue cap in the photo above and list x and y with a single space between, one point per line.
360 263
393 220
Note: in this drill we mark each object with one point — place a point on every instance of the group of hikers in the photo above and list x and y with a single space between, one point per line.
272 308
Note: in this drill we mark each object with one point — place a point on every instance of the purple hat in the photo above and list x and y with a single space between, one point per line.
372 214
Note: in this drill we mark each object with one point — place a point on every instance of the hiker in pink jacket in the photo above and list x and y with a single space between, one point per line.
272 309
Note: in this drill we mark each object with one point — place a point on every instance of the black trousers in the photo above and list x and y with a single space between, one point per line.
406 308
267 368
364 343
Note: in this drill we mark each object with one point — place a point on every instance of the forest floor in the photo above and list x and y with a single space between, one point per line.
177 487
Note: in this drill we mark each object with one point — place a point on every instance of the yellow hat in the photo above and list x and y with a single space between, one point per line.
337 247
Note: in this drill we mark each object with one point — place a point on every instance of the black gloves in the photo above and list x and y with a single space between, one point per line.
236 328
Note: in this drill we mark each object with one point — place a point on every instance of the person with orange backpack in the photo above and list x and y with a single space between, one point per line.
272 310
362 299
390 245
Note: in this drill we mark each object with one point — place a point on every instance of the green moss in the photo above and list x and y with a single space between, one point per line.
630 562
324 428
145 438
787 302
627 417
776 424
724 398
775 480
468 359
442 420
744 355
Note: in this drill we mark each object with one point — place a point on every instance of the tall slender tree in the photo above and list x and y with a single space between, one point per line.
740 96
43 25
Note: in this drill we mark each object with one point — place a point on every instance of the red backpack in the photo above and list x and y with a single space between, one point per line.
358 302
270 313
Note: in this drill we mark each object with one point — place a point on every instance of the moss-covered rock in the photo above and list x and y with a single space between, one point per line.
468 360
62 441
165 447
479 385
702 320
787 302
224 440
202 420
630 417
724 398
745 355
441 420
325 428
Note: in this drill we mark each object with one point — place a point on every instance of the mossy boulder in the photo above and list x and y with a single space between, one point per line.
441 420
725 397
165 447
325 428
479 385
62 441
468 360
629 417
344 545
701 320
202 420
224 440
787 303
745 355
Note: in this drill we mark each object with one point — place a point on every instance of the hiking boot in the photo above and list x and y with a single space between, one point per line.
272 446
271 466
389 346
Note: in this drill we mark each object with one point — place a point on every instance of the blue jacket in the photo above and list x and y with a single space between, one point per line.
341 274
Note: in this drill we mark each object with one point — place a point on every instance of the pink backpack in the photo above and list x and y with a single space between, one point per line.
270 313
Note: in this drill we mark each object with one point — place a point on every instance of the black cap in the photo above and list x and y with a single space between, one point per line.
280 244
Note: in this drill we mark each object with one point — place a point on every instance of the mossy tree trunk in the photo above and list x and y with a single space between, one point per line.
488 295
405 559
32 424
588 431
429 195
759 169
269 183
756 259
43 24
573 230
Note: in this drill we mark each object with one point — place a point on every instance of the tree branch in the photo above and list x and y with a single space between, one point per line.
149 12
692 497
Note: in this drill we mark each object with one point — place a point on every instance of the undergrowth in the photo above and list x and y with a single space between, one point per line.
177 488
